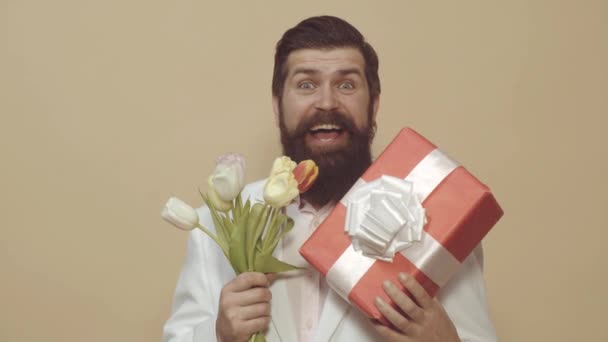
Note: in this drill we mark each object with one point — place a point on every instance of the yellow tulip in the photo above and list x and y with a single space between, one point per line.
281 189
282 164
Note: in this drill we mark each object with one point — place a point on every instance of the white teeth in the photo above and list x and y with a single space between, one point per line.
325 126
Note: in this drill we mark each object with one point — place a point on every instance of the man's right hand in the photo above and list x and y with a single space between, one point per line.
244 307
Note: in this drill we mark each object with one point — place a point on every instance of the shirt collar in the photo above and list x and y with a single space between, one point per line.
304 206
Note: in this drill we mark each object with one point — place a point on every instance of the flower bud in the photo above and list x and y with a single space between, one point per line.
305 174
280 189
282 164
179 214
228 178
216 201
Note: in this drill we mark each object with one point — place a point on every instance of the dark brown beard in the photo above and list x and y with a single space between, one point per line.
338 169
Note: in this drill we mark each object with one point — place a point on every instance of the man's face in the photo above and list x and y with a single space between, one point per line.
325 81
325 114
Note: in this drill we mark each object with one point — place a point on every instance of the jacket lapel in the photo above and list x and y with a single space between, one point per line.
334 311
282 327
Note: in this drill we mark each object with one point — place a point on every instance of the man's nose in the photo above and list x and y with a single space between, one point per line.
326 99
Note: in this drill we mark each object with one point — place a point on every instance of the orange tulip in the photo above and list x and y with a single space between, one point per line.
305 173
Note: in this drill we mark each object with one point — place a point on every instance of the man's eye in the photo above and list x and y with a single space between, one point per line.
347 85
306 85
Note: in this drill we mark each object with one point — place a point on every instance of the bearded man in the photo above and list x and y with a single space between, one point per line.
326 93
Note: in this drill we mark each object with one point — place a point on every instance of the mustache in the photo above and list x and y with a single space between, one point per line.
325 117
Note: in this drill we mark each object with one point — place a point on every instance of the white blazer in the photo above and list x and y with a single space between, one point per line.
206 271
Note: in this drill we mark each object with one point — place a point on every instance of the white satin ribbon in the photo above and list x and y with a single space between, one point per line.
431 171
429 255
384 216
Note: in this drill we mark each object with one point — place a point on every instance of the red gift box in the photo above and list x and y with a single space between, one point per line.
460 210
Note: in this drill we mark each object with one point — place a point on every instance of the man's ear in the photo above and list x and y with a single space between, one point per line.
275 108
375 107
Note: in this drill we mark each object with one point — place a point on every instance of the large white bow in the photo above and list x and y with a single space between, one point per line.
384 217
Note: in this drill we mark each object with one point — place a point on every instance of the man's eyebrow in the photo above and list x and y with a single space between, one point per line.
312 71
307 71
349 71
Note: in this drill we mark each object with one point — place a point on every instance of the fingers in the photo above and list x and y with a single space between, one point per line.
389 334
405 303
244 306
248 288
247 280
271 277
255 311
257 324
242 330
253 296
396 318
418 317
419 293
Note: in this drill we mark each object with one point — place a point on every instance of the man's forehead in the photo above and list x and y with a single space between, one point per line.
325 60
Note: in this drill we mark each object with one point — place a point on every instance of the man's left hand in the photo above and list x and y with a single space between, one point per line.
425 320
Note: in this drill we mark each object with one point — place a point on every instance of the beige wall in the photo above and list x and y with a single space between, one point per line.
109 107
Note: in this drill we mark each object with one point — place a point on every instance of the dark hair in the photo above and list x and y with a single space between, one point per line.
324 32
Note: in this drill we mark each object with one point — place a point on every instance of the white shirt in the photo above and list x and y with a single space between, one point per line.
307 289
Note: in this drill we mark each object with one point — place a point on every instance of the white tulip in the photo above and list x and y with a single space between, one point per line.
180 214
228 178
216 201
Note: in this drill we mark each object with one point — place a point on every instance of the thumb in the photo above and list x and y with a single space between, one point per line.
271 277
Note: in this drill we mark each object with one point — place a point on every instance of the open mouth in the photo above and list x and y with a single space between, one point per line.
326 132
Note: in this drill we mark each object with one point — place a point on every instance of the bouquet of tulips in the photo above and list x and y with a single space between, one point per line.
248 232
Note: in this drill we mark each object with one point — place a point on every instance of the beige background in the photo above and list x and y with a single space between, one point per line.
109 107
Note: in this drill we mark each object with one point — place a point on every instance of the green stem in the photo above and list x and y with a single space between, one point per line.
257 337
270 230
271 239
256 231
237 207
222 234
212 236
220 228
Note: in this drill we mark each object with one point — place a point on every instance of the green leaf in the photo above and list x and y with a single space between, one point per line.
221 239
285 228
239 203
272 231
259 244
257 337
228 227
237 206
247 206
256 218
267 263
212 236
273 218
242 219
236 251
202 195
255 233
220 230
238 243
